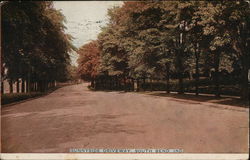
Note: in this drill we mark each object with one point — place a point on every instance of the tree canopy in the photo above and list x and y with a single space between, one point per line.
177 39
35 46
89 60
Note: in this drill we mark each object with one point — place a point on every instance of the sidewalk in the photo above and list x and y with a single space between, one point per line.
224 100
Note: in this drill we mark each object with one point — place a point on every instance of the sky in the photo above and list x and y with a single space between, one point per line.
84 20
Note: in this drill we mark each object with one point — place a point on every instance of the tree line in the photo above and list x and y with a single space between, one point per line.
171 40
34 45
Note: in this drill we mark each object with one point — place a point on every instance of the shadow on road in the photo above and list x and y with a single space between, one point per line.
203 98
225 100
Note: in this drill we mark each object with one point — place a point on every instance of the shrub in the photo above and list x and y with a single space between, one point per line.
205 86
14 97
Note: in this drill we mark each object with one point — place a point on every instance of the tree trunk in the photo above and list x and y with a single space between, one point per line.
108 83
129 84
217 75
133 85
197 73
2 87
181 90
38 86
92 83
47 85
11 85
137 85
27 86
180 71
113 82
34 86
23 85
28 82
105 82
244 78
144 84
190 75
125 84
117 82
17 85
151 85
44 86
180 54
167 77
2 74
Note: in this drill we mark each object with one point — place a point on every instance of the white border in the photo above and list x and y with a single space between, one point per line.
54 156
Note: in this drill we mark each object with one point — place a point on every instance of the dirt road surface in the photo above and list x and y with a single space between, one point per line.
74 117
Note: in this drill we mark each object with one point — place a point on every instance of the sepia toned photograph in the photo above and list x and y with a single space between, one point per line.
125 77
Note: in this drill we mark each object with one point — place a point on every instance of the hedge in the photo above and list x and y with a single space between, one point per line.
14 97
205 86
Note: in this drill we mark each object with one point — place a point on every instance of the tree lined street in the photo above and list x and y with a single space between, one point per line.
75 117
129 75
35 48
191 46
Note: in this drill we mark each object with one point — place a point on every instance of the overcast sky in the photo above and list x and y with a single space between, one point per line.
84 19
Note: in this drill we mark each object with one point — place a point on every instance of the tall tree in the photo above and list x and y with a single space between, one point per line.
226 22
89 61
35 47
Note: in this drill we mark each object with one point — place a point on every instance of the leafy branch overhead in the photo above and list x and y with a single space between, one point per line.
172 38
35 46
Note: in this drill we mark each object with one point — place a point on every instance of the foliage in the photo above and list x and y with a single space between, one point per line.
88 61
173 38
35 46
14 97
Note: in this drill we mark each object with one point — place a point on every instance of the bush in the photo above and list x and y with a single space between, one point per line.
14 97
205 86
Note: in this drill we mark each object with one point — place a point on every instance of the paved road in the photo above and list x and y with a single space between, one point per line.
74 117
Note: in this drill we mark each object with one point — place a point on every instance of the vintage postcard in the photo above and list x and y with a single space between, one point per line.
125 79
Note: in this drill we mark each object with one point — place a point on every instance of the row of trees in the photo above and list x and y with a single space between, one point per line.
166 39
34 46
